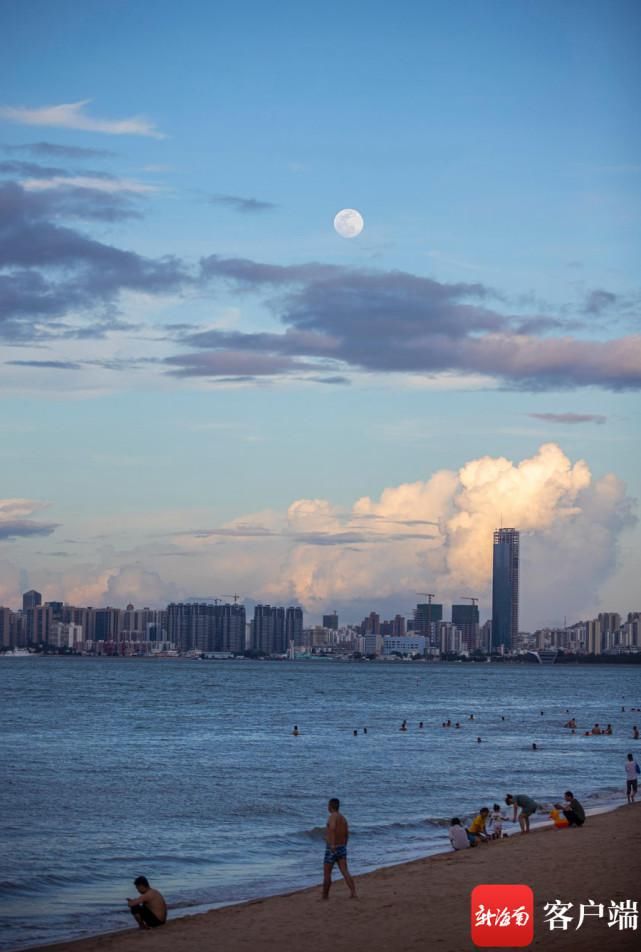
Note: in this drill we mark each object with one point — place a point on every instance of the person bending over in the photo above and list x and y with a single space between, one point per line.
528 807
149 909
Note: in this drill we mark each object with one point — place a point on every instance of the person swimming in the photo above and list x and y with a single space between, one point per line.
296 731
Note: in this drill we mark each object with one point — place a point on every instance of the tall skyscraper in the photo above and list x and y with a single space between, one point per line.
505 589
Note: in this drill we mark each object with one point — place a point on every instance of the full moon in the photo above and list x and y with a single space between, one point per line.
349 223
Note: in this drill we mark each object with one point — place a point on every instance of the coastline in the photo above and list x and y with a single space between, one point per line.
402 907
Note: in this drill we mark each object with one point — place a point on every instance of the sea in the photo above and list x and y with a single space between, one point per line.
187 772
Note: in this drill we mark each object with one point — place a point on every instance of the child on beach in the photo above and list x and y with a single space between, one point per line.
495 825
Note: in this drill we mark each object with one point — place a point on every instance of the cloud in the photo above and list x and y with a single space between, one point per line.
51 269
396 322
59 151
569 417
45 364
101 183
243 205
598 301
16 520
381 550
236 364
73 116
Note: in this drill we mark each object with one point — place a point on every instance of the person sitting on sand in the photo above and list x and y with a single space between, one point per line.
572 810
149 909
336 837
458 836
528 807
476 830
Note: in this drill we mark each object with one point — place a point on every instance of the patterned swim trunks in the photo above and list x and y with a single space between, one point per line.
333 855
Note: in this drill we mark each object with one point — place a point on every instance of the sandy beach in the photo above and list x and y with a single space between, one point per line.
425 903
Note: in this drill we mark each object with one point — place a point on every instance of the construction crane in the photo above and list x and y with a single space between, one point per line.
428 595
470 598
235 597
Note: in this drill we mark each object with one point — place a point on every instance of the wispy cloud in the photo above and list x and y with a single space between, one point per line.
569 417
59 151
239 204
102 183
73 116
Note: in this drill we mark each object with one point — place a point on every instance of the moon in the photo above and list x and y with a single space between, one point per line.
349 223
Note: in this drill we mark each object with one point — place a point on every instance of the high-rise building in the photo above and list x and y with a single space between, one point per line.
31 599
505 589
466 618
268 630
331 621
427 616
294 627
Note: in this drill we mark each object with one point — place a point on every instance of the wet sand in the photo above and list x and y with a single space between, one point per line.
424 904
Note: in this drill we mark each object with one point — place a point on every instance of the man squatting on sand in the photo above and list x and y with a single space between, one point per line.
149 909
336 836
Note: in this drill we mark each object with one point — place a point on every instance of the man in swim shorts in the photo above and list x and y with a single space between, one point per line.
528 807
336 837
149 909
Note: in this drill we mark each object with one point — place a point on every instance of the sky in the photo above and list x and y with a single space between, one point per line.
207 391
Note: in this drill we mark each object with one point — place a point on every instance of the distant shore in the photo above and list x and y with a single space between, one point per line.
425 903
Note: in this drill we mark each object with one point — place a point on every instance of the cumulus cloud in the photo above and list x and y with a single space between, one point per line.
16 519
569 417
73 116
436 531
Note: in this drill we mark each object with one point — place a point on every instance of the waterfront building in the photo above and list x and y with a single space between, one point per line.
466 618
427 617
406 646
5 628
31 599
268 632
331 621
505 590
294 627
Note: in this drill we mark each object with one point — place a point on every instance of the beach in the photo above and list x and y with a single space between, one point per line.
425 903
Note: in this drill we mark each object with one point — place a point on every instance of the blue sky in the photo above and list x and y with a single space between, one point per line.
189 349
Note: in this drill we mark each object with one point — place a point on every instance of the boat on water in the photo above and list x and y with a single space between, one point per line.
18 653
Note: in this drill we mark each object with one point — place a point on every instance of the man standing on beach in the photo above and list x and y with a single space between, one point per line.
631 784
336 836
528 807
149 909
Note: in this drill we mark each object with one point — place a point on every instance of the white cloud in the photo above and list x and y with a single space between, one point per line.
72 116
88 181
378 553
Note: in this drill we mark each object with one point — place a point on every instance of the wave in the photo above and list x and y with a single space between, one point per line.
416 824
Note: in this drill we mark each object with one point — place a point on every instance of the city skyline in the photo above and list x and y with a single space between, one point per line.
207 389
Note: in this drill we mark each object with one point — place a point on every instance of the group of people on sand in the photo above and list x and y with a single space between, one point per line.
487 825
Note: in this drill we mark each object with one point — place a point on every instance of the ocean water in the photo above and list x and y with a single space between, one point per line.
187 772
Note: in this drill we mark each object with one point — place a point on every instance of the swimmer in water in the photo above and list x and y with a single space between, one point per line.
296 731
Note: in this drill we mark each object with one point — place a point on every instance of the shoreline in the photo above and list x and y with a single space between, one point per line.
400 903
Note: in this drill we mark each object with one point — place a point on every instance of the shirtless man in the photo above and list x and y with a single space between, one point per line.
336 837
149 909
